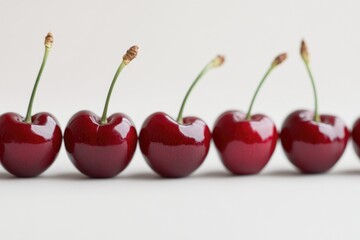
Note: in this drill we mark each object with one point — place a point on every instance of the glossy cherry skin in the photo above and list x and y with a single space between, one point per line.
171 149
28 149
244 146
356 136
100 150
313 147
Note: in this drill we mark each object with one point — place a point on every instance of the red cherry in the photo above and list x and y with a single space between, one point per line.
313 142
245 146
245 143
28 146
27 150
172 149
313 147
102 147
100 150
356 136
176 148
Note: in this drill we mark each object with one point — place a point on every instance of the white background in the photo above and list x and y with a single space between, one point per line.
176 39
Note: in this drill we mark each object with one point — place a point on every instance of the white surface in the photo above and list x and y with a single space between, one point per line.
176 39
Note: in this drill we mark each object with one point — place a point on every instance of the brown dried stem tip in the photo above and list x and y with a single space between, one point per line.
279 59
218 61
304 52
130 54
49 39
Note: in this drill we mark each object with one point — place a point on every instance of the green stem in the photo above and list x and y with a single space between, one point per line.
316 113
248 115
104 115
202 73
28 113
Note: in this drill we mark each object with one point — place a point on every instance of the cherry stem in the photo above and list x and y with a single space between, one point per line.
48 44
305 56
316 113
130 54
248 115
104 115
279 59
216 62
